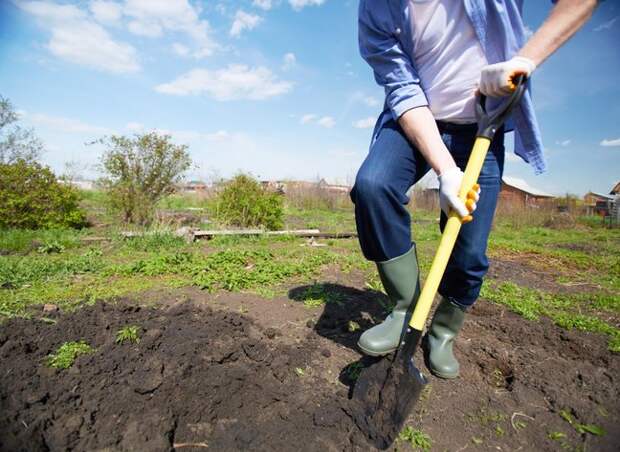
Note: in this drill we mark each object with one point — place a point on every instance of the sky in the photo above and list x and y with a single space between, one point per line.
272 87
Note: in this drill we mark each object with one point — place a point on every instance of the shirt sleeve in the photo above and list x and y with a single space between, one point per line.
392 68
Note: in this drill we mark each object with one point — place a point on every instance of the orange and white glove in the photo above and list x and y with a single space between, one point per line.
496 79
449 186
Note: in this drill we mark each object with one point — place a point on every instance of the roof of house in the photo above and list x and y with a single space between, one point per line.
615 190
522 185
601 195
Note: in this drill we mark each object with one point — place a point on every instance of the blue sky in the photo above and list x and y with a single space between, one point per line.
276 88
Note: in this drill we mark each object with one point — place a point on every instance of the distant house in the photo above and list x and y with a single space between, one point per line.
194 186
517 191
288 186
615 190
598 203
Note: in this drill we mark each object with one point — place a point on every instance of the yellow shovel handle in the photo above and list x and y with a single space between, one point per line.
448 238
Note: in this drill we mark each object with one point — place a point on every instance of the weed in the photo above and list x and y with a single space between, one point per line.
130 333
51 248
581 428
417 439
317 295
477 441
556 436
353 326
66 354
299 371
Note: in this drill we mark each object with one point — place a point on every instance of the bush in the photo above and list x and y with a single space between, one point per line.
243 202
140 171
32 198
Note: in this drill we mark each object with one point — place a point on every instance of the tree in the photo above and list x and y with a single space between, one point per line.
32 198
140 171
16 142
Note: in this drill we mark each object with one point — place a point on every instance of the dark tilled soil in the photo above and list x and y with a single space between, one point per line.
245 373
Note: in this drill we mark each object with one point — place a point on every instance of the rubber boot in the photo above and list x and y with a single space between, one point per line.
400 281
446 324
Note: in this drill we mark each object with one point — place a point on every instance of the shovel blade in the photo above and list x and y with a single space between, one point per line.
386 392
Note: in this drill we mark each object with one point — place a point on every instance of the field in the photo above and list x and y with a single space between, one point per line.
248 343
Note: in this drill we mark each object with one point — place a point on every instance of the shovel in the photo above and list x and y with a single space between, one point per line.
386 392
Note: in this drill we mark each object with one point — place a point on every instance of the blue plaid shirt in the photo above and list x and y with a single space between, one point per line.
386 43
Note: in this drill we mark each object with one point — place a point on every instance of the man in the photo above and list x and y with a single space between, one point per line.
431 56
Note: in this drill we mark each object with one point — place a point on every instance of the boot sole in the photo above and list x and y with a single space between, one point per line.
445 376
374 353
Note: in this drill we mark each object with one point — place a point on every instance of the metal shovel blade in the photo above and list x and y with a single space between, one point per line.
386 392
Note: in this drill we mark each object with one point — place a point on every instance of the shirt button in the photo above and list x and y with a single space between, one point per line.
397 31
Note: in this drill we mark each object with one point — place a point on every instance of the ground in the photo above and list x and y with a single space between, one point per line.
250 343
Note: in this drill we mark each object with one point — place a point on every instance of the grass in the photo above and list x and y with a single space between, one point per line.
417 439
67 353
130 333
57 267
564 310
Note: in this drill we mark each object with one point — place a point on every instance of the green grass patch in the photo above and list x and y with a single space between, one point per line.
65 356
563 310
23 241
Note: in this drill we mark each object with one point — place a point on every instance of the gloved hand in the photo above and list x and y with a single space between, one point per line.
496 79
449 186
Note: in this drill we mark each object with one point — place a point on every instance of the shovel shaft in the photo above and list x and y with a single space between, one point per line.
448 238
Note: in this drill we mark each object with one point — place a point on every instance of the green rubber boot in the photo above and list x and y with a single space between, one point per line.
446 324
400 280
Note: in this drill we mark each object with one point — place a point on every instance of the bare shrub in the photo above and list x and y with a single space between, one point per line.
303 195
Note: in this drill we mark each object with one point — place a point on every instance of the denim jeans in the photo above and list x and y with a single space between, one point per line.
392 166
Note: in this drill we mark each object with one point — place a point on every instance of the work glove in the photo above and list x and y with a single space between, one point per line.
496 79
449 185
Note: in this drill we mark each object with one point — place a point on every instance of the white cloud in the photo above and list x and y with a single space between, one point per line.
134 126
231 83
563 143
180 49
300 4
152 17
78 39
67 125
607 25
327 122
289 61
365 123
265 5
610 143
305 119
244 21
105 11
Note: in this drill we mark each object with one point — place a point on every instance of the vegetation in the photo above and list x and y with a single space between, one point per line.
32 198
417 439
67 353
130 333
243 202
140 171
16 143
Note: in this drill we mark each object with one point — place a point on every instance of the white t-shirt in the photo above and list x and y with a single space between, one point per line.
448 58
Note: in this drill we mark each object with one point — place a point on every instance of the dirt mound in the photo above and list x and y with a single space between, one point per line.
197 379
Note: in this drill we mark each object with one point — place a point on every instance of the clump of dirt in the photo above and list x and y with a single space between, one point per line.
198 378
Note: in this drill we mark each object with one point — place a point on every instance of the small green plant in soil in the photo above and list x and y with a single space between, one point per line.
581 428
417 439
67 353
353 370
130 333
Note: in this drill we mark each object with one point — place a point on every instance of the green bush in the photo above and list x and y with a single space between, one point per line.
140 171
32 198
243 202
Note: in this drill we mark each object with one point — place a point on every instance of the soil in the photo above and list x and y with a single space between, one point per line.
237 372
